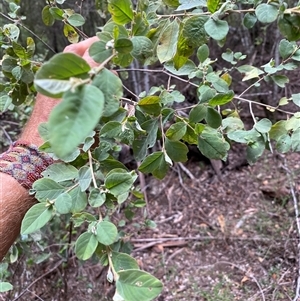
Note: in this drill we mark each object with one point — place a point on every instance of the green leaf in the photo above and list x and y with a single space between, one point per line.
47 17
140 146
74 118
140 25
296 99
119 181
47 189
284 143
19 50
109 164
286 48
70 33
5 287
230 124
79 199
188 4
217 29
190 136
277 130
186 69
80 218
61 67
150 105
107 233
176 150
288 26
123 45
266 13
136 285
198 113
84 178
63 203
255 149
212 145
111 129
112 89
96 197
86 245
293 123
76 20
171 3
263 126
142 48
249 20
57 13
242 136
203 53
280 80
155 164
53 86
176 131
123 59
168 42
193 31
60 172
121 11
122 261
213 5
250 72
221 98
296 141
213 118
100 51
9 64
36 217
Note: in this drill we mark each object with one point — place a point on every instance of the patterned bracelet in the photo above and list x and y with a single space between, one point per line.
24 162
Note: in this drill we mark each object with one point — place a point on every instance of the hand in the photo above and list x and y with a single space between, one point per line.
44 104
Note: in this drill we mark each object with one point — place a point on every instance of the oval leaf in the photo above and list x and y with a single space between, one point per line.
213 118
86 245
74 118
136 285
168 42
122 261
121 11
62 66
35 218
63 203
217 29
266 13
5 287
107 233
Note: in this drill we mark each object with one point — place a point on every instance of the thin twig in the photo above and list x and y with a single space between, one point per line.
38 279
91 168
143 188
189 174
7 135
199 238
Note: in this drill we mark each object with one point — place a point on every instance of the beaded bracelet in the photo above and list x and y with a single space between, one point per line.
24 162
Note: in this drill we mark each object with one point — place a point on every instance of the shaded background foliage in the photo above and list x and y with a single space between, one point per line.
259 43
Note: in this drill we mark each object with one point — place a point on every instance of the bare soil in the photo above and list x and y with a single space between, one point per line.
223 233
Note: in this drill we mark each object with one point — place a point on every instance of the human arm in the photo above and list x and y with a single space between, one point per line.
14 199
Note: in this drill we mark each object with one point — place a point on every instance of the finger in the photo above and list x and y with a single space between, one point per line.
81 47
89 60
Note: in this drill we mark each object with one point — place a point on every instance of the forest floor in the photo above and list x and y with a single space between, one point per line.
225 233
